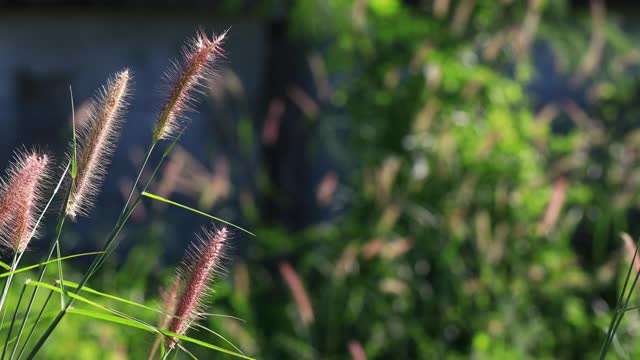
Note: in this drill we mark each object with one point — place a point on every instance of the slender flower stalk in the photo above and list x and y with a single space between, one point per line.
96 142
198 61
21 197
198 269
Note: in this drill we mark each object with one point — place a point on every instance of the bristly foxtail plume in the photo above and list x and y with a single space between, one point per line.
21 199
96 141
198 269
198 61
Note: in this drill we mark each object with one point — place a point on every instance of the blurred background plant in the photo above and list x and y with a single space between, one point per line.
426 179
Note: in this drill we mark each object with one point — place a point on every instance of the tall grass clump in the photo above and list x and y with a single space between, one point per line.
25 196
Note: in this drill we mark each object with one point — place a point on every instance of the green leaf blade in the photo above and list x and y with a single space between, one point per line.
167 201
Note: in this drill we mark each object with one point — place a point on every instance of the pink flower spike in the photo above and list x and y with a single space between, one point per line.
97 141
21 199
197 271
197 65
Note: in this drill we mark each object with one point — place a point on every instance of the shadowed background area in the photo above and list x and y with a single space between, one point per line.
426 178
55 47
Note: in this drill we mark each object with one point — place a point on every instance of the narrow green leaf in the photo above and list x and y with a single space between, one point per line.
204 344
160 198
74 161
71 295
121 321
92 303
4 265
70 284
73 285
110 318
27 268
85 288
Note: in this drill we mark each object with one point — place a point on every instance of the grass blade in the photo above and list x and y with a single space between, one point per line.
119 320
87 289
31 267
124 319
160 198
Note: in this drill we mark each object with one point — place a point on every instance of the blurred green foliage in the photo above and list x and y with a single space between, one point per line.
482 221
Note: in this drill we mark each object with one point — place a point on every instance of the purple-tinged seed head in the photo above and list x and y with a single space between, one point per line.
21 198
198 61
201 264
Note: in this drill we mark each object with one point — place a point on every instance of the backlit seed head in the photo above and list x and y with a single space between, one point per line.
21 198
198 60
96 142
200 266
